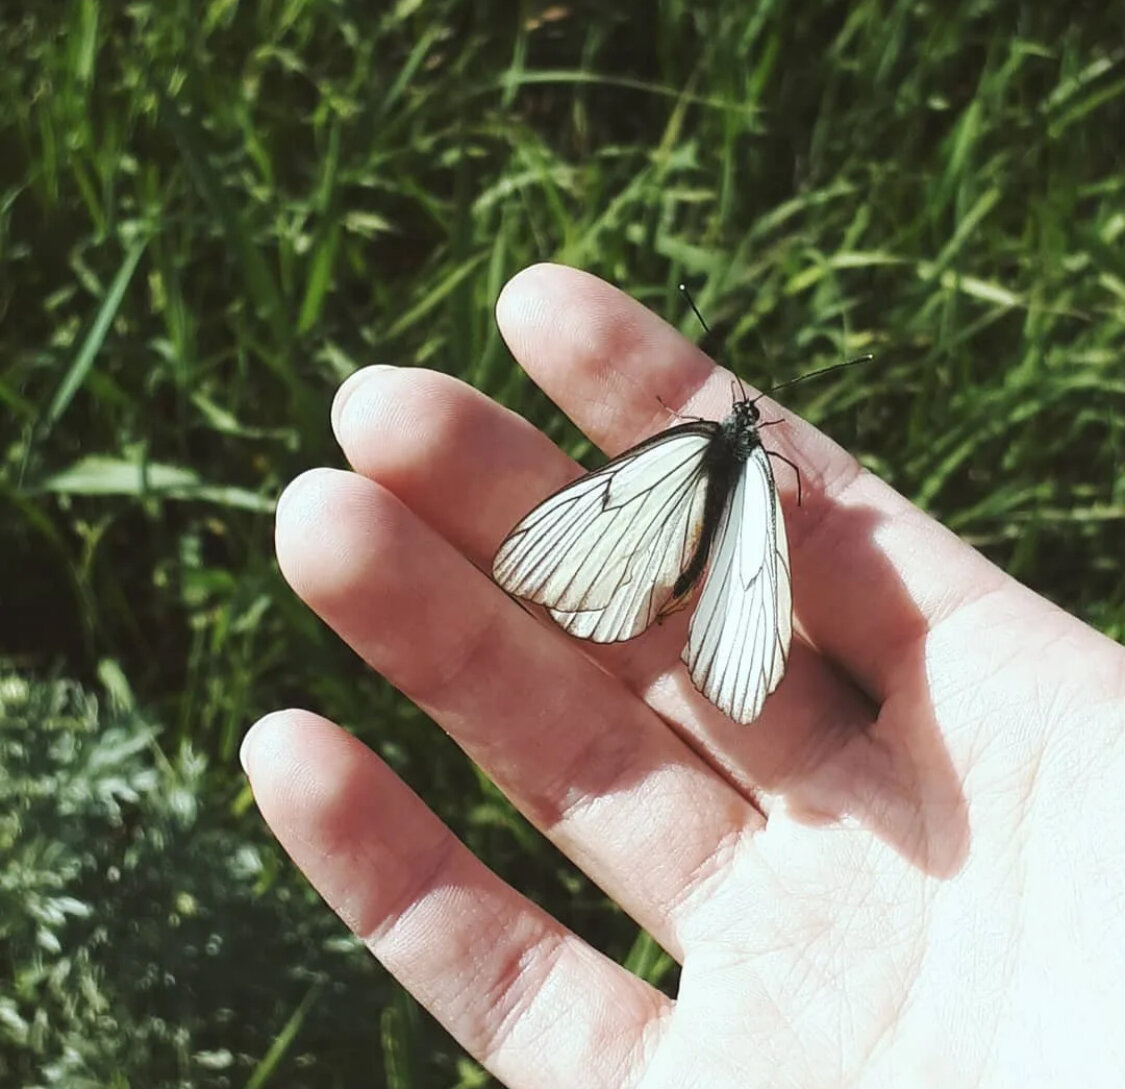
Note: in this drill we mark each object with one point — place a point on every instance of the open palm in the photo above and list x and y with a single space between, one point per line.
910 871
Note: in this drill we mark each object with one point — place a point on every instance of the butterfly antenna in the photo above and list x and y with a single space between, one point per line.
823 370
707 328
695 309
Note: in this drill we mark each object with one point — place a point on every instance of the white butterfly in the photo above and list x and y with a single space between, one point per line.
627 544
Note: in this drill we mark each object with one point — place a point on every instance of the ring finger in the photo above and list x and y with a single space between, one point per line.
578 753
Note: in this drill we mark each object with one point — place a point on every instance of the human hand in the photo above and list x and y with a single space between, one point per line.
909 871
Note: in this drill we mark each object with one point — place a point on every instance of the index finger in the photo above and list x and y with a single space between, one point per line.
872 573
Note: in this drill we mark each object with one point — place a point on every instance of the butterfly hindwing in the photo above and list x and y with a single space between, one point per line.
738 642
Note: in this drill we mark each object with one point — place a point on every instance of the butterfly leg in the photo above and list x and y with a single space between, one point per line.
679 415
782 457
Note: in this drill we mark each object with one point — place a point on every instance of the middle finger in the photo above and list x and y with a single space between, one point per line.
471 469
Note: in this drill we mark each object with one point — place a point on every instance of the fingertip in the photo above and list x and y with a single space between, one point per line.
524 302
602 356
270 737
292 514
528 283
298 762
321 518
245 750
349 386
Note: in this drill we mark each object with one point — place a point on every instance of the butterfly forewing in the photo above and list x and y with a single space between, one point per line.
610 553
604 553
738 642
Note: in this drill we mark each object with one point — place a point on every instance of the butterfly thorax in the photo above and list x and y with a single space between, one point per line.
739 431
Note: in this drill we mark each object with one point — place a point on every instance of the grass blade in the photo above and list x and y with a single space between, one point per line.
283 1041
91 345
100 475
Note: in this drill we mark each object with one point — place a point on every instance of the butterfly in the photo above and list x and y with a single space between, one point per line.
627 544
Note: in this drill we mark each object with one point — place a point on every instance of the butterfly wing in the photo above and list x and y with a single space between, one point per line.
738 642
603 553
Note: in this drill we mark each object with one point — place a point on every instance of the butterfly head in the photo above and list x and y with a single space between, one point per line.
746 414
741 428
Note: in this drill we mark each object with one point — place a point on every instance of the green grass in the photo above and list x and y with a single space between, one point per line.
210 213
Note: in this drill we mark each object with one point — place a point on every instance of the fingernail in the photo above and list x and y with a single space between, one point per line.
350 385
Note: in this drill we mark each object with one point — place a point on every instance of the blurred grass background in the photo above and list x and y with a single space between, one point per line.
212 212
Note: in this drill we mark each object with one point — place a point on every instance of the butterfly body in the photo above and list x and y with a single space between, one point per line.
626 544
732 441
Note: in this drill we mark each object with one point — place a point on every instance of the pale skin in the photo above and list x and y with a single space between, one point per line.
910 871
